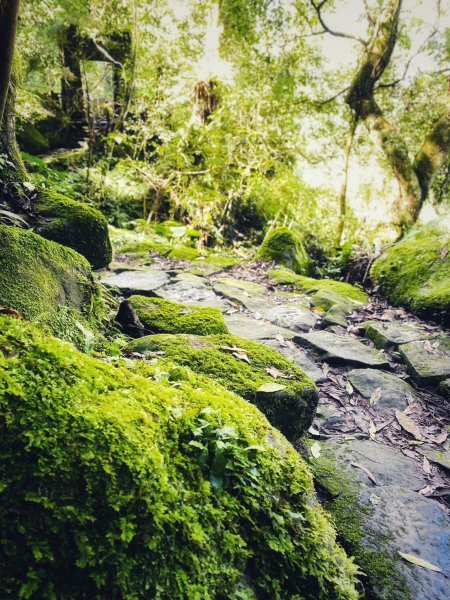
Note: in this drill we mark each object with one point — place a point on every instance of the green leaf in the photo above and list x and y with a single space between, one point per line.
271 388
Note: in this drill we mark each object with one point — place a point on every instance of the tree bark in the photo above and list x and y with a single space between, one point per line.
414 177
9 10
344 186
72 97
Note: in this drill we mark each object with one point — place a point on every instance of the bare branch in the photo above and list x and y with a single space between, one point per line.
318 9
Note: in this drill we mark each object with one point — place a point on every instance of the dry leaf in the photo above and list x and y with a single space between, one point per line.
315 450
372 430
439 438
349 388
420 562
408 425
375 397
366 471
426 467
415 407
276 373
409 453
325 368
271 388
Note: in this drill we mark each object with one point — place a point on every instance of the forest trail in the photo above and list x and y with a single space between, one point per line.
380 420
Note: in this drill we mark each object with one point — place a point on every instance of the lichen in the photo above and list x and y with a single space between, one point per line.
117 486
75 225
163 316
284 247
244 368
416 273
339 493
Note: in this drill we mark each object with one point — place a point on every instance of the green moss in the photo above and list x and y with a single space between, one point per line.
67 159
416 273
37 275
116 486
163 316
340 496
30 138
184 253
75 225
444 388
241 367
284 247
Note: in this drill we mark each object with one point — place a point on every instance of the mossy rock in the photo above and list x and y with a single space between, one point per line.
76 225
30 138
46 282
284 247
116 486
183 253
163 316
444 388
288 400
416 273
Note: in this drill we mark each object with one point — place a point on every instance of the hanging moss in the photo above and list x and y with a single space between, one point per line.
416 273
76 225
116 486
284 247
288 399
163 316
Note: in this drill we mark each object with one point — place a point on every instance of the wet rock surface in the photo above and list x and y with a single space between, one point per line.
385 411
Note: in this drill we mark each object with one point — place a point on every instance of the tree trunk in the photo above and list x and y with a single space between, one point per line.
414 178
9 10
344 186
72 97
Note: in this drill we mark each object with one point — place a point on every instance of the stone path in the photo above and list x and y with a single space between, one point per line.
376 421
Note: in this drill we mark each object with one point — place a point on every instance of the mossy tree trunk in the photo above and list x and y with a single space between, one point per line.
72 98
9 10
414 176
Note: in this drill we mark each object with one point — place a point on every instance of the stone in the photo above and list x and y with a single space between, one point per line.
251 296
427 367
255 329
298 356
339 349
376 521
395 391
390 334
440 457
290 316
187 288
136 282
286 248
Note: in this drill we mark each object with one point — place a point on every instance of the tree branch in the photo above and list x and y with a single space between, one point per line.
318 9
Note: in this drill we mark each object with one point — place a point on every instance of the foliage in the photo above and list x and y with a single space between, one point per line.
103 493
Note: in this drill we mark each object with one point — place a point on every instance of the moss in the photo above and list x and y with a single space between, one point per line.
339 492
30 138
284 247
163 316
444 388
75 225
416 273
241 367
67 159
117 486
37 275
184 253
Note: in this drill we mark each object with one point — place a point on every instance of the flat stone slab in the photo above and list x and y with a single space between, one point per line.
390 334
341 349
255 330
394 517
137 282
394 391
290 316
298 357
427 361
252 296
191 290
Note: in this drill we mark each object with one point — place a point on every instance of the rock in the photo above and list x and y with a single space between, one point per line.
251 296
416 273
290 316
242 367
390 334
444 388
440 457
335 315
394 391
298 356
375 522
187 288
424 366
255 329
136 282
163 316
46 282
184 253
106 472
339 349
284 247
75 225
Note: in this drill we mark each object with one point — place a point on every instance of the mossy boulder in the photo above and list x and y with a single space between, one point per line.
117 486
284 247
75 225
281 390
416 273
30 138
163 316
184 253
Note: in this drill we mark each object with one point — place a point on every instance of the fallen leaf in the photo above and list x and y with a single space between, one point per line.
325 368
271 388
237 352
372 430
426 467
275 373
349 388
315 450
420 562
408 425
313 431
375 396
438 439
415 407
10 311
366 471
